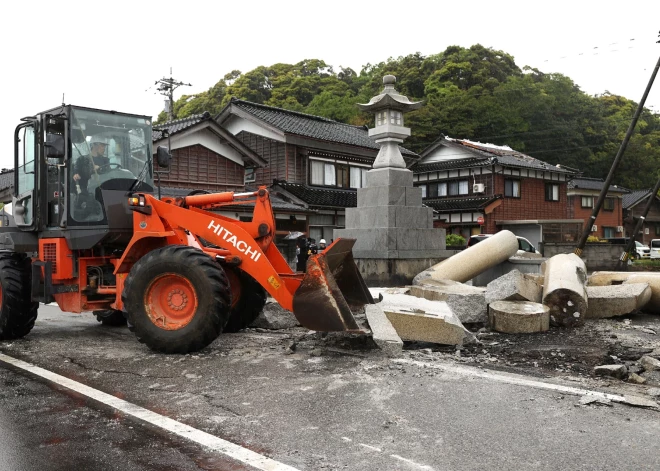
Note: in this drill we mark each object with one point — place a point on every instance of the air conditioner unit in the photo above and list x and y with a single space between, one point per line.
619 228
478 188
646 230
594 228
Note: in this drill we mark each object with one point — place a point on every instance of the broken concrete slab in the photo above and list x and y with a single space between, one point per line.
423 320
468 263
636 379
649 363
383 332
518 317
607 278
468 303
275 317
513 286
614 371
564 290
616 300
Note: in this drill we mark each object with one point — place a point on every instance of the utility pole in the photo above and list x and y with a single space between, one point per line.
166 87
606 186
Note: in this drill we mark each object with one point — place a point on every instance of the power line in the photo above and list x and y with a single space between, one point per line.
166 87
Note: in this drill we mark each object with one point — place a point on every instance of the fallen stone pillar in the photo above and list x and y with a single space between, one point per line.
518 317
468 263
468 303
513 286
383 332
564 290
423 320
616 300
606 278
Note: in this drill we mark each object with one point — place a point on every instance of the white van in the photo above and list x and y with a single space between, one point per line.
655 248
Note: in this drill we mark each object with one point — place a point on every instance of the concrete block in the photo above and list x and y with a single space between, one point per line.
518 317
615 371
513 286
470 262
389 177
381 196
649 363
605 278
413 196
384 334
616 300
425 321
468 303
564 290
408 217
275 317
371 217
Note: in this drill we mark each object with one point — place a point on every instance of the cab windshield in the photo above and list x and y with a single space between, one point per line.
106 146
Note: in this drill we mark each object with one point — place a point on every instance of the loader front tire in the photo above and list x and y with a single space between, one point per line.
176 299
248 297
17 311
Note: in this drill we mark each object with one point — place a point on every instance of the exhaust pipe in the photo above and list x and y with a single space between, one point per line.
331 287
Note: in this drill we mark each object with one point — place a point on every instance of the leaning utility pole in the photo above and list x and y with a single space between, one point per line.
606 186
166 87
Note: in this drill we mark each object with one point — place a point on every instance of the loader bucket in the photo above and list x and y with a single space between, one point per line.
332 285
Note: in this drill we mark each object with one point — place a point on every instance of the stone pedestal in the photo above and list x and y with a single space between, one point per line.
394 232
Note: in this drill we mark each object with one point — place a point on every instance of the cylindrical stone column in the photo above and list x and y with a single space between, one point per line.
474 260
564 290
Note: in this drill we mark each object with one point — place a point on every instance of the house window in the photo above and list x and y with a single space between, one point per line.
657 230
442 189
587 202
512 188
342 176
358 177
250 175
423 187
608 204
463 187
459 187
608 232
433 190
551 192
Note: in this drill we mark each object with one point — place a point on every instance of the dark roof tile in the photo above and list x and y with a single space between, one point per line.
634 197
179 125
593 184
320 197
460 204
316 127
6 179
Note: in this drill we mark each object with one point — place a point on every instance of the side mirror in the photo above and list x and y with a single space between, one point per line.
163 156
54 146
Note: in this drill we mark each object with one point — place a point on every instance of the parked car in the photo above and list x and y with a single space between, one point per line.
524 246
655 248
639 251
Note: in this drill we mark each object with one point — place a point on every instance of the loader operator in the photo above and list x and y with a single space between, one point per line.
94 163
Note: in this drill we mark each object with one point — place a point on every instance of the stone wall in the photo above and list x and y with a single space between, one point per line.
597 256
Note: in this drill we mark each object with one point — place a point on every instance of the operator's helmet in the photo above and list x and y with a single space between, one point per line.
322 241
99 140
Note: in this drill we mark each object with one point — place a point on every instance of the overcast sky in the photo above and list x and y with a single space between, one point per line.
109 54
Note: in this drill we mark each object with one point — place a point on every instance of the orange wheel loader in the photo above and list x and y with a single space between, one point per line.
88 233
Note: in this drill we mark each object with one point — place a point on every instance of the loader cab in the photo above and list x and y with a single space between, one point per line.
74 169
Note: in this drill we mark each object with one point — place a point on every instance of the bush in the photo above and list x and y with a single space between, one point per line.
594 239
455 239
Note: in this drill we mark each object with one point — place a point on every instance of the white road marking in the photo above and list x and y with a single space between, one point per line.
207 440
370 447
411 462
346 439
511 379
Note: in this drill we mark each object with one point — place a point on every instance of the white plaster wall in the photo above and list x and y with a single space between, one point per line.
236 124
443 153
209 140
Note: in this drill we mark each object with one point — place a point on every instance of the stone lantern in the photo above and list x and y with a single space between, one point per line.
395 238
389 132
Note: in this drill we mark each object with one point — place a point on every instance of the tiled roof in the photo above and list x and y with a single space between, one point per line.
491 154
593 184
634 197
460 204
179 125
276 202
6 179
451 164
308 125
320 197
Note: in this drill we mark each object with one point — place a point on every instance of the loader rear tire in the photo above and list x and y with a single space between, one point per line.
251 300
17 311
176 299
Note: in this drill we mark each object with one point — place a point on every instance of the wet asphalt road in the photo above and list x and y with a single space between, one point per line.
327 406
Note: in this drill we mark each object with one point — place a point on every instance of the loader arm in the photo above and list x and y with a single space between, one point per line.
317 299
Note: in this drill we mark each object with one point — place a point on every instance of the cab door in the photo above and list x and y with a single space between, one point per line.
25 153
